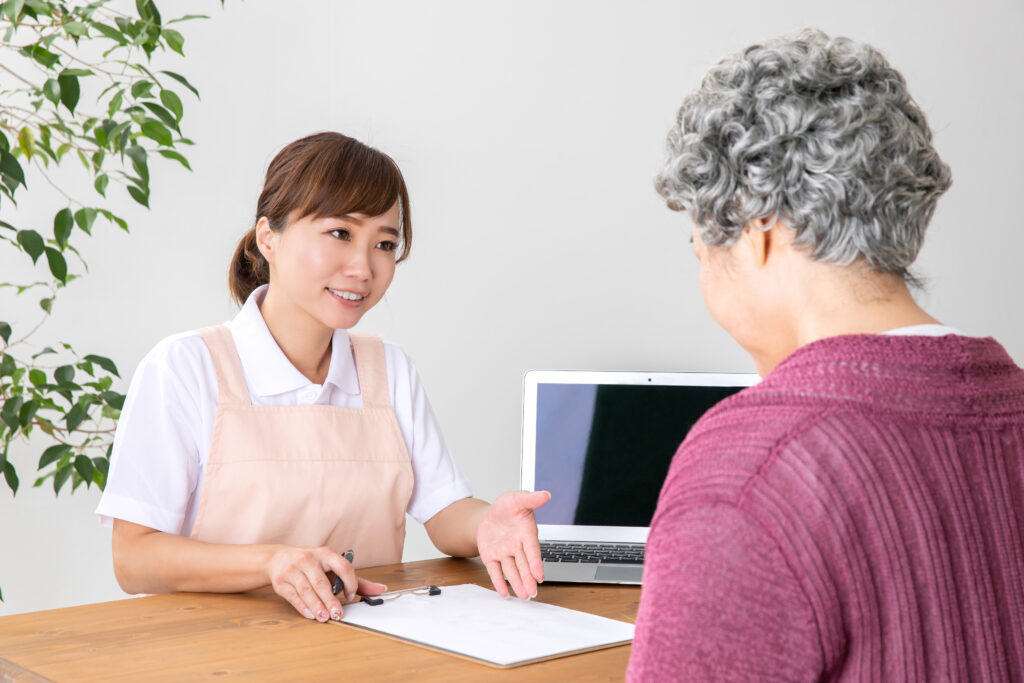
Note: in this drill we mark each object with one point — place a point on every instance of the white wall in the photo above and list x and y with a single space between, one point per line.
529 133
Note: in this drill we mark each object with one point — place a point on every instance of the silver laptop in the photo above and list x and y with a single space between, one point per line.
601 443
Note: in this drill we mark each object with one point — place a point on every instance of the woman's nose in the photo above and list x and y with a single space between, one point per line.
357 264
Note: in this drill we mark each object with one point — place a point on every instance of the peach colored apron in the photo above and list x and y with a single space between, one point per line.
306 475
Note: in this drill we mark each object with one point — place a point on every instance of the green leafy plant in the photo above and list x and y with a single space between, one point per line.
53 57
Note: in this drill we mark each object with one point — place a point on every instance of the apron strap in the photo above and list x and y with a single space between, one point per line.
231 387
371 369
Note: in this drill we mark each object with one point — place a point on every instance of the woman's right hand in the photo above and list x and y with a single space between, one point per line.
300 576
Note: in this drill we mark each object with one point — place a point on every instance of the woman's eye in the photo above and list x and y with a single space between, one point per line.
387 245
340 233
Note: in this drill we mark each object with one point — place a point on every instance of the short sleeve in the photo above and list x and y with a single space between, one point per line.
155 464
719 603
439 481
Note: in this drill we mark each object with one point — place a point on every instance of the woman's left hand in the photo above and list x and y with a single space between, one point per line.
507 541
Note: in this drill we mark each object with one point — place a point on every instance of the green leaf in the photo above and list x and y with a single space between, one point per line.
148 12
120 222
27 412
61 477
170 154
143 180
9 414
113 399
10 167
63 223
12 480
27 142
51 90
102 464
139 196
5 332
37 377
12 10
43 352
172 102
77 28
115 104
46 304
41 55
137 154
181 79
58 266
157 131
75 417
85 218
69 90
142 89
83 465
162 114
78 72
104 363
175 40
102 180
110 32
7 365
65 373
53 454
32 242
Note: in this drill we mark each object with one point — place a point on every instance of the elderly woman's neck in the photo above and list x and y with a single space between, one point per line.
833 301
855 300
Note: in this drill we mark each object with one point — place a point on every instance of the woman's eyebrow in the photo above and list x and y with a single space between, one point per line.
359 221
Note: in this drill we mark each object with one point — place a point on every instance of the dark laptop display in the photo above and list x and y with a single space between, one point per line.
604 450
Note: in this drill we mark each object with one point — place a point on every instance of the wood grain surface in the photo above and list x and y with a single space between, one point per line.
258 636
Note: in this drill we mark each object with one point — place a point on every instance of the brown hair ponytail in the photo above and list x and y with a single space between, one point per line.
321 175
249 269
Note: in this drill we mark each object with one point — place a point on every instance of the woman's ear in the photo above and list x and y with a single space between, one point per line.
266 238
757 242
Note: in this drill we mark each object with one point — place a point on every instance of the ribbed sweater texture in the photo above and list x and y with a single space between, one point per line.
856 516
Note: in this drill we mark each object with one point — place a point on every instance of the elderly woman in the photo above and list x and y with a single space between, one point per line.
859 514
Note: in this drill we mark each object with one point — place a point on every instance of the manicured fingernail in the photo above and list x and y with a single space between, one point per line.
322 616
309 614
336 614
534 595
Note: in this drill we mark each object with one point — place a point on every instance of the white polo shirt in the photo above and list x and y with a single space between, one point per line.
163 436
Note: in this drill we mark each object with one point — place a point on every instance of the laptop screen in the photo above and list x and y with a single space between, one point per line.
603 448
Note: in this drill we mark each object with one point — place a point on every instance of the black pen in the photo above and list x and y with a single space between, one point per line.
339 585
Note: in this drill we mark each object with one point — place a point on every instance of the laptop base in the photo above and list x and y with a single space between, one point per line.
586 572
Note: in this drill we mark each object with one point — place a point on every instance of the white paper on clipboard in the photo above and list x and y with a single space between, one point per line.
475 622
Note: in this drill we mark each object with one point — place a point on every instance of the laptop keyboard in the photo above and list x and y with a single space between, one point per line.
616 553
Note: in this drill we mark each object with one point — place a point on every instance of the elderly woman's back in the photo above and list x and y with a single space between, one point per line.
859 515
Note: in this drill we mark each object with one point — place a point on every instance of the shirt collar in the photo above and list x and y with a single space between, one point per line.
268 371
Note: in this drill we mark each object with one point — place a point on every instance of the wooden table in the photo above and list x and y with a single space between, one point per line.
258 636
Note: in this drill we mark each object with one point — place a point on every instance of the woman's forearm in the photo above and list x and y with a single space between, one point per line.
453 530
149 561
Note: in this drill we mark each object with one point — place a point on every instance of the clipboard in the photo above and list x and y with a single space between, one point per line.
477 624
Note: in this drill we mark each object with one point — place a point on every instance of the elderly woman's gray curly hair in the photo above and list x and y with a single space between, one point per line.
817 132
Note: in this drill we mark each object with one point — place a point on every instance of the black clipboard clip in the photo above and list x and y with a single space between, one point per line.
374 600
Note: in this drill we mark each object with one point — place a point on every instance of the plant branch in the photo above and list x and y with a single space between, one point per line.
20 77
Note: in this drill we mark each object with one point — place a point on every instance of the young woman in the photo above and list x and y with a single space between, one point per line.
257 452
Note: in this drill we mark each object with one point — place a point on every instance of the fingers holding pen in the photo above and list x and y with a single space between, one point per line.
299 575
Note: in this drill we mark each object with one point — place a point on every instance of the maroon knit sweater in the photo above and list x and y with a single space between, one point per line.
857 516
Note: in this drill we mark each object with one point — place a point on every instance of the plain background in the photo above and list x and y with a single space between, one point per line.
529 134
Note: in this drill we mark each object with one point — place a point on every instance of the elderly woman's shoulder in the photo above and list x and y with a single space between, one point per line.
735 440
